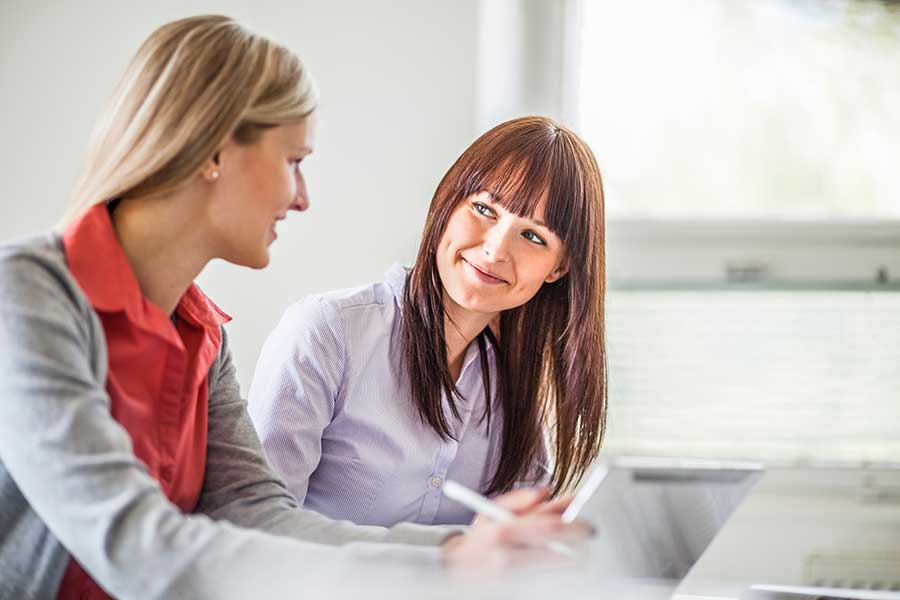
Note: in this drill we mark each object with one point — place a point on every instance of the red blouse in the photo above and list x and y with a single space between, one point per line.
158 367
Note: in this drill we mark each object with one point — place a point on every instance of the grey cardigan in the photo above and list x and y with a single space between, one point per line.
69 481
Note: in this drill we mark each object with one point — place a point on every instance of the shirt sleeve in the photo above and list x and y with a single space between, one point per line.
298 378
75 465
241 487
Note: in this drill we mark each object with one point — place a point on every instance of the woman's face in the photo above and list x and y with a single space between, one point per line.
491 260
256 187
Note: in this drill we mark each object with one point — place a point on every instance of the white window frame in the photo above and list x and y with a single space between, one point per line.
528 64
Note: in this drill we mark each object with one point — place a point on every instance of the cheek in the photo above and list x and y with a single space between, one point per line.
534 270
463 231
268 181
447 245
282 183
444 249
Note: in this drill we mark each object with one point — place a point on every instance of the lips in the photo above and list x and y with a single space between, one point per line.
483 274
274 224
272 228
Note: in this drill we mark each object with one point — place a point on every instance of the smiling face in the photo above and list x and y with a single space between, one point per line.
256 186
491 260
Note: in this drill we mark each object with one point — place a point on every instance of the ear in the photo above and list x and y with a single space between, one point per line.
212 168
557 273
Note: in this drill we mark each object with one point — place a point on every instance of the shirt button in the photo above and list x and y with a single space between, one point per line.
436 481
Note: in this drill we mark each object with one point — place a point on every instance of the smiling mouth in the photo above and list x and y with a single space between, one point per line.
273 230
484 275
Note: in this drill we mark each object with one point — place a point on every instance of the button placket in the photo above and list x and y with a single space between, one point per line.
171 395
449 449
432 494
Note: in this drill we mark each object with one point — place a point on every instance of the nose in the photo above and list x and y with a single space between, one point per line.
301 199
497 241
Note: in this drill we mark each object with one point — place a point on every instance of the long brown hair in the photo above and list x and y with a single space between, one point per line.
551 357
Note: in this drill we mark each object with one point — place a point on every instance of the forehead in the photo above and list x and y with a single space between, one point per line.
299 136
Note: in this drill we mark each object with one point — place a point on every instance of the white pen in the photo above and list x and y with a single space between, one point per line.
492 510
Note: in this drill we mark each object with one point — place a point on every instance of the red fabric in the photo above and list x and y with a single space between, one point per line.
158 369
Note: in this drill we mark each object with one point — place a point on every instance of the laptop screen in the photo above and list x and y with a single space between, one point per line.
655 517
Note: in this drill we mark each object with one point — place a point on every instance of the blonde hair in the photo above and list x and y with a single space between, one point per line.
192 84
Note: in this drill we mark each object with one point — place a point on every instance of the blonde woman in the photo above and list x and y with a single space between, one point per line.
128 464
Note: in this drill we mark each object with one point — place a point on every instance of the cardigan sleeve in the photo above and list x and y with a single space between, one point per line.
241 487
75 465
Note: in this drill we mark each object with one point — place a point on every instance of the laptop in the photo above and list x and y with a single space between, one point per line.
655 517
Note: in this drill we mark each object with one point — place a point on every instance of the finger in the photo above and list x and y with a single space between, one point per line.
531 530
556 506
536 530
523 500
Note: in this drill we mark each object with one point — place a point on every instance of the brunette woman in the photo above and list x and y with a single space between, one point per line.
484 363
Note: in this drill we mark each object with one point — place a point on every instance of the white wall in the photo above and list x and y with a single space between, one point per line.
397 80
527 59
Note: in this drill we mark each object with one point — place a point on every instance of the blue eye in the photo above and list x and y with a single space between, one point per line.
533 237
482 209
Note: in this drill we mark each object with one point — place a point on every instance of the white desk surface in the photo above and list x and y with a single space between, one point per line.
801 527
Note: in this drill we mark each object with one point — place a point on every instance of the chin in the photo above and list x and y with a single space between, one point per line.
253 261
261 263
474 303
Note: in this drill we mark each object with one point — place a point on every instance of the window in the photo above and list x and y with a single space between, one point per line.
749 153
745 141
763 109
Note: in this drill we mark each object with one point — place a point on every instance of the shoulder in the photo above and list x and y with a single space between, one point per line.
34 273
336 308
43 311
31 256
373 294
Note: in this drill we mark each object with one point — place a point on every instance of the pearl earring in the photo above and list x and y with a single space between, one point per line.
214 175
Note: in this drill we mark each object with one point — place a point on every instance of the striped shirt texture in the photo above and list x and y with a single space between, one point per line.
336 418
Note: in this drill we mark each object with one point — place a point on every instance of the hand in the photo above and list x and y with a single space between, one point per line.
494 545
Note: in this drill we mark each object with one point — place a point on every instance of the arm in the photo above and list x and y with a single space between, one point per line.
299 375
75 464
239 485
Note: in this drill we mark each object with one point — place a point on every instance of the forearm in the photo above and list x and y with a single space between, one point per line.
241 487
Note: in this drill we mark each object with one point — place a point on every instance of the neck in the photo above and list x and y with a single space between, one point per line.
461 326
165 244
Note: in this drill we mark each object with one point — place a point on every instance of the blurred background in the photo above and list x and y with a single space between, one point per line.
750 155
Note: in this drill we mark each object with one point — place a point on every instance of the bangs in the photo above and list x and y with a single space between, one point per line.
522 175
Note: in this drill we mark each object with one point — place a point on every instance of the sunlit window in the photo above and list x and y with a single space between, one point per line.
744 109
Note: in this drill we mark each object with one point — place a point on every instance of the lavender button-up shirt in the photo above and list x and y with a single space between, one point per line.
336 419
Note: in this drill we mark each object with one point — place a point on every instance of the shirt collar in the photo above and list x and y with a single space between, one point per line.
196 306
99 264
396 280
472 355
